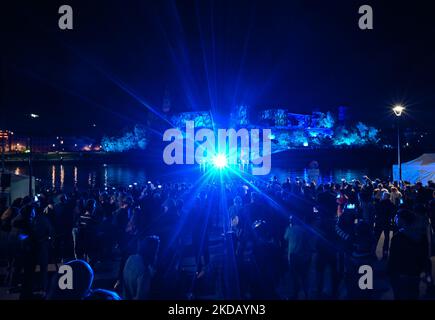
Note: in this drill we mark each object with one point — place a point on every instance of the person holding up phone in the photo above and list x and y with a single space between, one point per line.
342 200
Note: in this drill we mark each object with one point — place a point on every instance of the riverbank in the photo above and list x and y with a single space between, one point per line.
19 158
298 158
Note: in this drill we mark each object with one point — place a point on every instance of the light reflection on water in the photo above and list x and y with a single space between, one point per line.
62 176
75 176
84 176
53 176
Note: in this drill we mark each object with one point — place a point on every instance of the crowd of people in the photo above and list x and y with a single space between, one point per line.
274 234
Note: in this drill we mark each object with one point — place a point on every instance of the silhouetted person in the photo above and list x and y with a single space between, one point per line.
407 260
298 256
23 244
121 217
64 222
84 236
9 214
384 213
42 236
363 253
139 269
83 277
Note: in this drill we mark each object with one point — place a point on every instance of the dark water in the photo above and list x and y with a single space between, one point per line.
66 176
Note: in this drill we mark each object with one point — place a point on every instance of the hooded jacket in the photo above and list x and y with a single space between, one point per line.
407 254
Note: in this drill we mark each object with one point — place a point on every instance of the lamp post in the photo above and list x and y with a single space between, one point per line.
3 136
398 110
29 142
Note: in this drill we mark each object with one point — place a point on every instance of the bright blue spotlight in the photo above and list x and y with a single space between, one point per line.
220 161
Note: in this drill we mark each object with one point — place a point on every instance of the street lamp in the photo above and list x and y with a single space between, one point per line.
30 149
398 110
3 136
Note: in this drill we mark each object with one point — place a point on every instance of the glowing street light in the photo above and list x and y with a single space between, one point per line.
398 110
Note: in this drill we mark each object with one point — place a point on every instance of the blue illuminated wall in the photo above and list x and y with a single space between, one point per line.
202 119
293 130
289 130
239 116
135 139
358 135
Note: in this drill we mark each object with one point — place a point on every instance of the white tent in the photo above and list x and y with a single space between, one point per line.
19 187
421 169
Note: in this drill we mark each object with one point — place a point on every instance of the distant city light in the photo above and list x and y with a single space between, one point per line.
34 115
305 144
53 145
61 141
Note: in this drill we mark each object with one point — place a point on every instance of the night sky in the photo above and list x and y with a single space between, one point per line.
122 56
